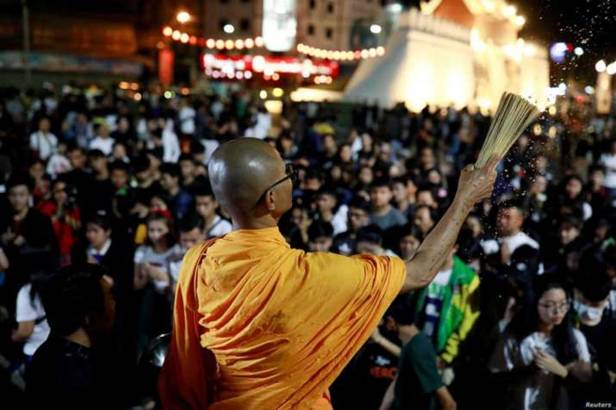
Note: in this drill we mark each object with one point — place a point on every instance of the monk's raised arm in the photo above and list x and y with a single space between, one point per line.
474 185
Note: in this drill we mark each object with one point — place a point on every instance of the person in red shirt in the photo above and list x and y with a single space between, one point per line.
65 217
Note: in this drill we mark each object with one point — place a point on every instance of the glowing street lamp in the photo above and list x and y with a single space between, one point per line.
228 28
600 66
183 17
375 29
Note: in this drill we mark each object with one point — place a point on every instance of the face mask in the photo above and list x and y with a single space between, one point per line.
589 314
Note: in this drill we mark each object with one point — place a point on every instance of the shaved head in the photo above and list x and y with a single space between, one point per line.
241 171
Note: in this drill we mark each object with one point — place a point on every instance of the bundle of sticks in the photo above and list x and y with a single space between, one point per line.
513 115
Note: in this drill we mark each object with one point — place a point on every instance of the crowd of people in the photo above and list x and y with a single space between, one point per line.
522 315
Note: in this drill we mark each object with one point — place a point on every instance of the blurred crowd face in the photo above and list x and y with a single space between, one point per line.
423 220
385 152
19 198
426 159
103 130
473 224
366 176
399 192
37 171
320 244
380 196
119 151
188 239
168 181
509 221
538 185
426 198
597 178
590 312
553 306
98 164
205 206
329 144
568 233
187 168
59 193
326 203
157 229
408 246
358 218
573 188
96 235
77 159
346 154
44 125
119 178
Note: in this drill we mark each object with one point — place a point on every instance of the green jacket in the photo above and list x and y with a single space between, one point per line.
458 313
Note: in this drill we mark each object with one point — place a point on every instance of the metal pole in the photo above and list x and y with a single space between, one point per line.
26 34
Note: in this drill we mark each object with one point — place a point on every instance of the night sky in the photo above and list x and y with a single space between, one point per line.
590 24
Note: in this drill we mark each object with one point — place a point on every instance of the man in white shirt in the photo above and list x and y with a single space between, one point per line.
103 140
608 160
509 222
43 141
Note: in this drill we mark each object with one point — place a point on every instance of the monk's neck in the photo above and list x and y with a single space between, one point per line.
255 223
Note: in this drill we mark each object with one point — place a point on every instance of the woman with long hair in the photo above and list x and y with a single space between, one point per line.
542 356
152 277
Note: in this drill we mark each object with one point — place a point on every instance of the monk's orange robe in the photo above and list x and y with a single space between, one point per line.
281 323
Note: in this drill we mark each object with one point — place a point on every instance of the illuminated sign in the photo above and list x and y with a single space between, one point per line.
220 66
279 24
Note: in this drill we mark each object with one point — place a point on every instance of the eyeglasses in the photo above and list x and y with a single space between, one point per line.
291 174
558 307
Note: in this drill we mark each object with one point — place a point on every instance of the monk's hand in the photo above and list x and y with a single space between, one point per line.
476 184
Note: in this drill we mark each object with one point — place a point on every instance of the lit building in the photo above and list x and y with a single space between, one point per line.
328 24
454 52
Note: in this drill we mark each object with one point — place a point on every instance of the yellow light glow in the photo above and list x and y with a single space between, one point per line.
184 38
509 11
263 94
273 106
552 110
210 43
249 43
277 92
239 44
167 31
183 17
519 21
176 35
380 51
259 41
229 44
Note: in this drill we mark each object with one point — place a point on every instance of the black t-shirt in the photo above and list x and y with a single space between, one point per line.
66 375
365 380
418 376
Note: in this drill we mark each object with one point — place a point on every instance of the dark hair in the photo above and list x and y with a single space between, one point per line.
96 153
119 166
594 282
512 203
380 182
20 179
319 229
360 203
370 233
101 219
170 168
189 223
526 320
71 295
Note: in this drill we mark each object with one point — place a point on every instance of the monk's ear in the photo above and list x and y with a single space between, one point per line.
270 200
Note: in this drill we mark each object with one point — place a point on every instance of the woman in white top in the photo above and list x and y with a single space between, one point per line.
32 328
542 353
43 142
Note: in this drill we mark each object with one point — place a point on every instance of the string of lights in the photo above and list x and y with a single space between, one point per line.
212 43
340 55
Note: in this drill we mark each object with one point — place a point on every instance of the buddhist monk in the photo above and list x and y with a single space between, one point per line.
260 325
